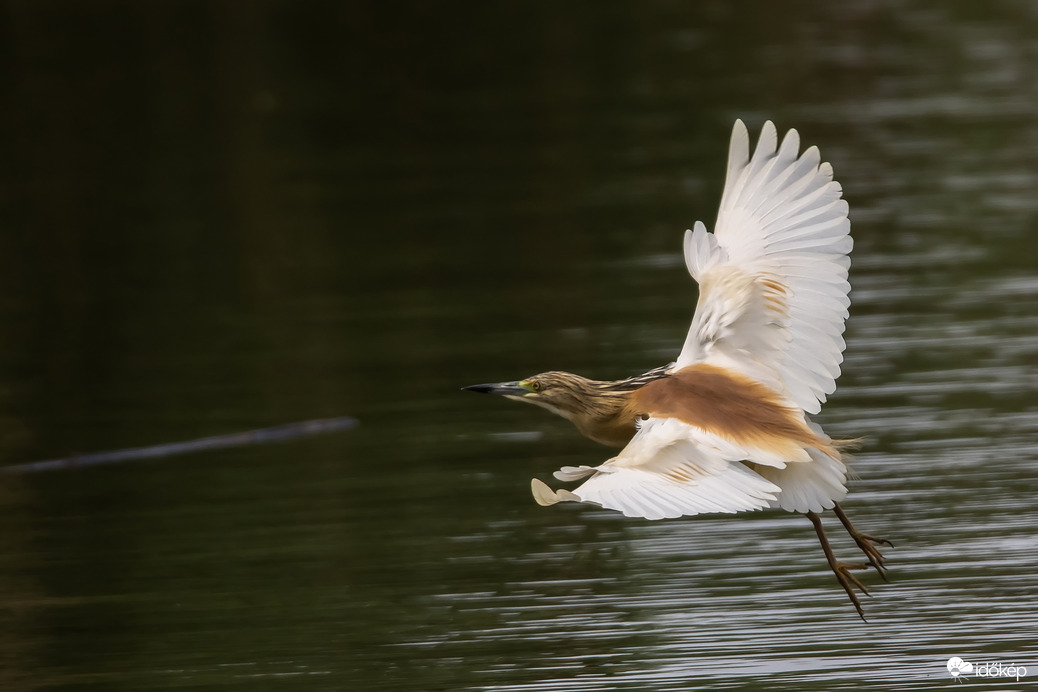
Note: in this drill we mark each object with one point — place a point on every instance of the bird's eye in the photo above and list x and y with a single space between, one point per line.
536 386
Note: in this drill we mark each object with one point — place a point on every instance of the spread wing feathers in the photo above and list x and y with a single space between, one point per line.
809 487
773 275
667 471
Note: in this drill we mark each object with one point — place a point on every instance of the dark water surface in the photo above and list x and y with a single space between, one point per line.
218 217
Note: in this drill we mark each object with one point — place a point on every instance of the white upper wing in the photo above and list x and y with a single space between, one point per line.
773 275
669 469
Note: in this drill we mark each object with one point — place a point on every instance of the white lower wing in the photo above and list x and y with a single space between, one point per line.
666 471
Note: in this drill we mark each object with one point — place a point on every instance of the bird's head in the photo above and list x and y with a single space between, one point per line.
562 393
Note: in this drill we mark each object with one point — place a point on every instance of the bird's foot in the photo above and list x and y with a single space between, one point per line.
842 570
865 542
848 581
868 545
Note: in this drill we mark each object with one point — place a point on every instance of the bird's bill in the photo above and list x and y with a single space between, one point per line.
501 388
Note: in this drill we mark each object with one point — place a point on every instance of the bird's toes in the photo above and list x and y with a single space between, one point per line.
846 577
876 541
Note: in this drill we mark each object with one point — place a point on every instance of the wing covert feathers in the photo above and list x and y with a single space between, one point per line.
666 472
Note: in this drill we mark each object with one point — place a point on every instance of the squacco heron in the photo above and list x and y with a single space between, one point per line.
727 427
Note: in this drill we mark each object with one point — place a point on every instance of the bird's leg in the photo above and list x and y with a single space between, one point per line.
841 569
866 542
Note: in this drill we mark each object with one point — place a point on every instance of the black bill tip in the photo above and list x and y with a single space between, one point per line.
502 388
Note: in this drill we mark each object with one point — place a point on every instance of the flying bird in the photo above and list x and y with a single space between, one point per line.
726 427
